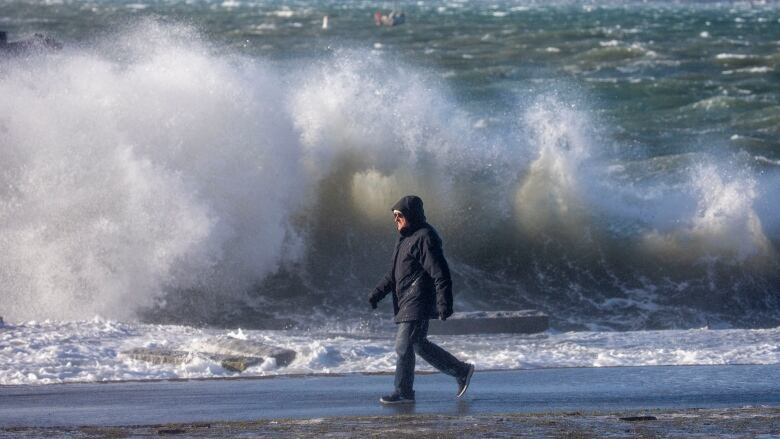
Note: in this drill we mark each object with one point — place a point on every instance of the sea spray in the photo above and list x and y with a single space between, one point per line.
724 224
174 182
551 195
129 173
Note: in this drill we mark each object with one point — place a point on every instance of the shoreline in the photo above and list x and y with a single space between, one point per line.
694 422
373 373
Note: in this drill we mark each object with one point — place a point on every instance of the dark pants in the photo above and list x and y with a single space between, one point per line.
412 339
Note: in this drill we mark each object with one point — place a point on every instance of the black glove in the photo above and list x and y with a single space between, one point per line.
444 312
373 301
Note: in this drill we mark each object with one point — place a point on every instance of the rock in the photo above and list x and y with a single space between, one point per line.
235 363
639 418
247 348
491 322
238 364
171 431
158 355
233 354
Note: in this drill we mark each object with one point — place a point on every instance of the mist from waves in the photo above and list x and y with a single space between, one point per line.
137 166
157 177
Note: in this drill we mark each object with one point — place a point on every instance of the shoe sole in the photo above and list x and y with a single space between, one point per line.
403 401
468 381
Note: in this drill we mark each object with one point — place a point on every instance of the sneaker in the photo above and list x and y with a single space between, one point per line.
396 398
463 382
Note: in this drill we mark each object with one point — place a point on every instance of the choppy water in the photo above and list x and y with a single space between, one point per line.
214 162
83 351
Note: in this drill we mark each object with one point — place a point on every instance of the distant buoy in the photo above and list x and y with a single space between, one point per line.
325 22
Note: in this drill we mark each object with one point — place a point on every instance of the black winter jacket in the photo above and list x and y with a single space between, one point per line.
420 277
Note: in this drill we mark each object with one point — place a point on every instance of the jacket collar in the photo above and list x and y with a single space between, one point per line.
409 231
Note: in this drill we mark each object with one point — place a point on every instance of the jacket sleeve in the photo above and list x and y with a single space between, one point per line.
384 287
433 262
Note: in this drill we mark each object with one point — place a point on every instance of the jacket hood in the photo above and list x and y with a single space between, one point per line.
412 208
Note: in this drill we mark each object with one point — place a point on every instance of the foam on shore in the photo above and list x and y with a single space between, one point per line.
90 351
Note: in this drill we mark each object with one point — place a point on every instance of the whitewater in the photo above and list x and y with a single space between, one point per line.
150 177
162 182
51 352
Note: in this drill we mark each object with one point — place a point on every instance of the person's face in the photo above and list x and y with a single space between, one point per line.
400 220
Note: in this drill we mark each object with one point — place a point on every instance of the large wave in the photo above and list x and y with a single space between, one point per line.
131 169
157 177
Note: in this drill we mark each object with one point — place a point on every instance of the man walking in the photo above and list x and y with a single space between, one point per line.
422 289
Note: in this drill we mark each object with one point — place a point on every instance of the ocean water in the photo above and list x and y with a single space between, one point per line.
50 352
207 164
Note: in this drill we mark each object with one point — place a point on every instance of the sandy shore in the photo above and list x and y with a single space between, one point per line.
734 422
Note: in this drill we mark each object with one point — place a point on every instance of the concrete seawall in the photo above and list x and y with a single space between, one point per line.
491 322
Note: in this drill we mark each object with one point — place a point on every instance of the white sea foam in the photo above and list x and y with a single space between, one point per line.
717 102
728 56
754 70
56 352
283 13
263 27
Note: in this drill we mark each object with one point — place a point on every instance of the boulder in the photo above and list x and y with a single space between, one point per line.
491 322
176 357
158 355
247 348
237 364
